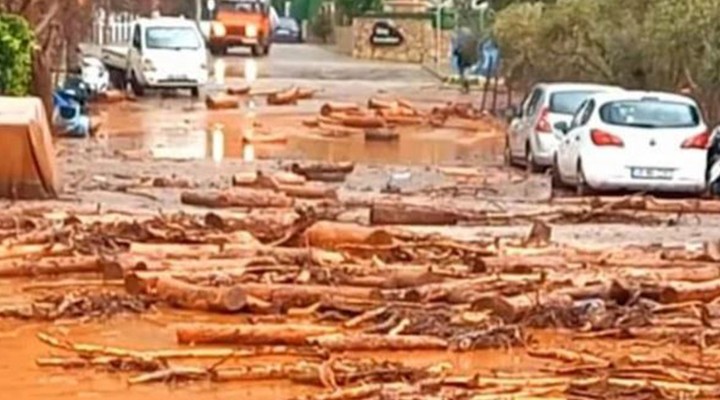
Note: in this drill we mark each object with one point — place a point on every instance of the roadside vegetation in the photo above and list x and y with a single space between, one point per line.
668 45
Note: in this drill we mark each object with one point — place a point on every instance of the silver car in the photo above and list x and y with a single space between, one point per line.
532 139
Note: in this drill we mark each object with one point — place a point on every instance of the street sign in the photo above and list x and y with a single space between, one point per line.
385 33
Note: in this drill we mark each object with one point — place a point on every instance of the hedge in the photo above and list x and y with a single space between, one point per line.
16 46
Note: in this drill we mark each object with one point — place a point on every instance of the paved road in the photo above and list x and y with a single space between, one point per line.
307 61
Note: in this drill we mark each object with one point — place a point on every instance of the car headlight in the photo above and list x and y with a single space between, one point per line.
218 29
148 65
251 31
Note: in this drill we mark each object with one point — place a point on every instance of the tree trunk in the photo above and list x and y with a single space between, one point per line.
370 342
405 214
330 235
249 335
195 297
246 198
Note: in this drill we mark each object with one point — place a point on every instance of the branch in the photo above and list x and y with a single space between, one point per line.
48 16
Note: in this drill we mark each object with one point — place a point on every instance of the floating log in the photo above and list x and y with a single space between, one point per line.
305 94
248 178
339 167
239 91
380 104
285 97
332 108
36 250
372 342
257 334
331 235
237 198
360 121
49 266
405 214
649 204
222 101
195 297
403 120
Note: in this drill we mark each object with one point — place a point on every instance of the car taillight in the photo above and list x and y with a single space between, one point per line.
699 141
602 138
543 123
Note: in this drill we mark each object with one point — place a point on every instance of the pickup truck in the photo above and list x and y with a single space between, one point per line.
164 53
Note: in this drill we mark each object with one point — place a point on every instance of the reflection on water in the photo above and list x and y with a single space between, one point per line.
224 141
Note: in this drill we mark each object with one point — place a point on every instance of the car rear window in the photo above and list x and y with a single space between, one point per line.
247 6
568 102
650 114
172 38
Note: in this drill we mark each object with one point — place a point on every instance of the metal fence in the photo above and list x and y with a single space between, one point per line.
112 27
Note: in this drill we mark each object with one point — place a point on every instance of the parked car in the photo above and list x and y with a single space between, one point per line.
640 141
287 31
531 138
163 53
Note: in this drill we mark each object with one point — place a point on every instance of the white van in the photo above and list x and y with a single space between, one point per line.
163 53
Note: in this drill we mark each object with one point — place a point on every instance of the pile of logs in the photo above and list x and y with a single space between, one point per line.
381 119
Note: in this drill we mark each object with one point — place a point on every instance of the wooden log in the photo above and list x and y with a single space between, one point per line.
49 266
237 198
326 167
35 250
680 292
331 235
248 178
333 108
222 101
306 94
284 97
514 308
257 334
372 342
194 297
238 90
309 191
379 104
358 121
405 214
649 204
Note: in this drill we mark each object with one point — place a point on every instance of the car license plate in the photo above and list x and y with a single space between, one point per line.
178 77
283 31
651 173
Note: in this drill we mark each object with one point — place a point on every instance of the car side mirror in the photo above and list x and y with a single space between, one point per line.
562 126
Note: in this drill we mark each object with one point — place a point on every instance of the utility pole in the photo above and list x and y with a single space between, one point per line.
198 10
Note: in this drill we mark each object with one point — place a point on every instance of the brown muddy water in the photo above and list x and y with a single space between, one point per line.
169 133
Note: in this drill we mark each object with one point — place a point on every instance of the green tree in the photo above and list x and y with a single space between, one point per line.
16 47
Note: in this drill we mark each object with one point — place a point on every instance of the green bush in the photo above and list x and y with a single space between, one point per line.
322 26
16 47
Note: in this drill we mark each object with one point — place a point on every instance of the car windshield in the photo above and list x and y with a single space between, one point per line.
569 101
287 23
650 114
172 38
242 6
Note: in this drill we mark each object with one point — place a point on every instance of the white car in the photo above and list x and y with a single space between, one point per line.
638 141
532 139
164 53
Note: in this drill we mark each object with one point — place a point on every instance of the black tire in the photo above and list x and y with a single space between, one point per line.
557 186
581 186
117 79
195 92
530 165
137 88
256 50
218 50
266 49
507 154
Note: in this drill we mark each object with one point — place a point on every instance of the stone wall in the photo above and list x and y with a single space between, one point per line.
418 45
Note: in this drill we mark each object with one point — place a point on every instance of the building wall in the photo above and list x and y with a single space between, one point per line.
418 46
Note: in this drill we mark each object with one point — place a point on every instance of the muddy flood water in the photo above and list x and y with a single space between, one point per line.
175 134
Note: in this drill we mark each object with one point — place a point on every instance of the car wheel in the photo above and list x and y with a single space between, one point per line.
266 50
557 186
507 154
581 186
137 88
218 50
195 92
530 164
256 50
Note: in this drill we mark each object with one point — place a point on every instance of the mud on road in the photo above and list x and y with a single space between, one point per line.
311 262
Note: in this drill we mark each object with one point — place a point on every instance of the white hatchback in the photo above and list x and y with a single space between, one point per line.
531 138
632 140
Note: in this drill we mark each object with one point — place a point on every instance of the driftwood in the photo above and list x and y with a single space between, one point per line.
222 101
513 308
238 91
405 214
49 266
333 108
195 297
381 134
649 204
330 235
369 342
285 97
237 198
329 172
257 334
